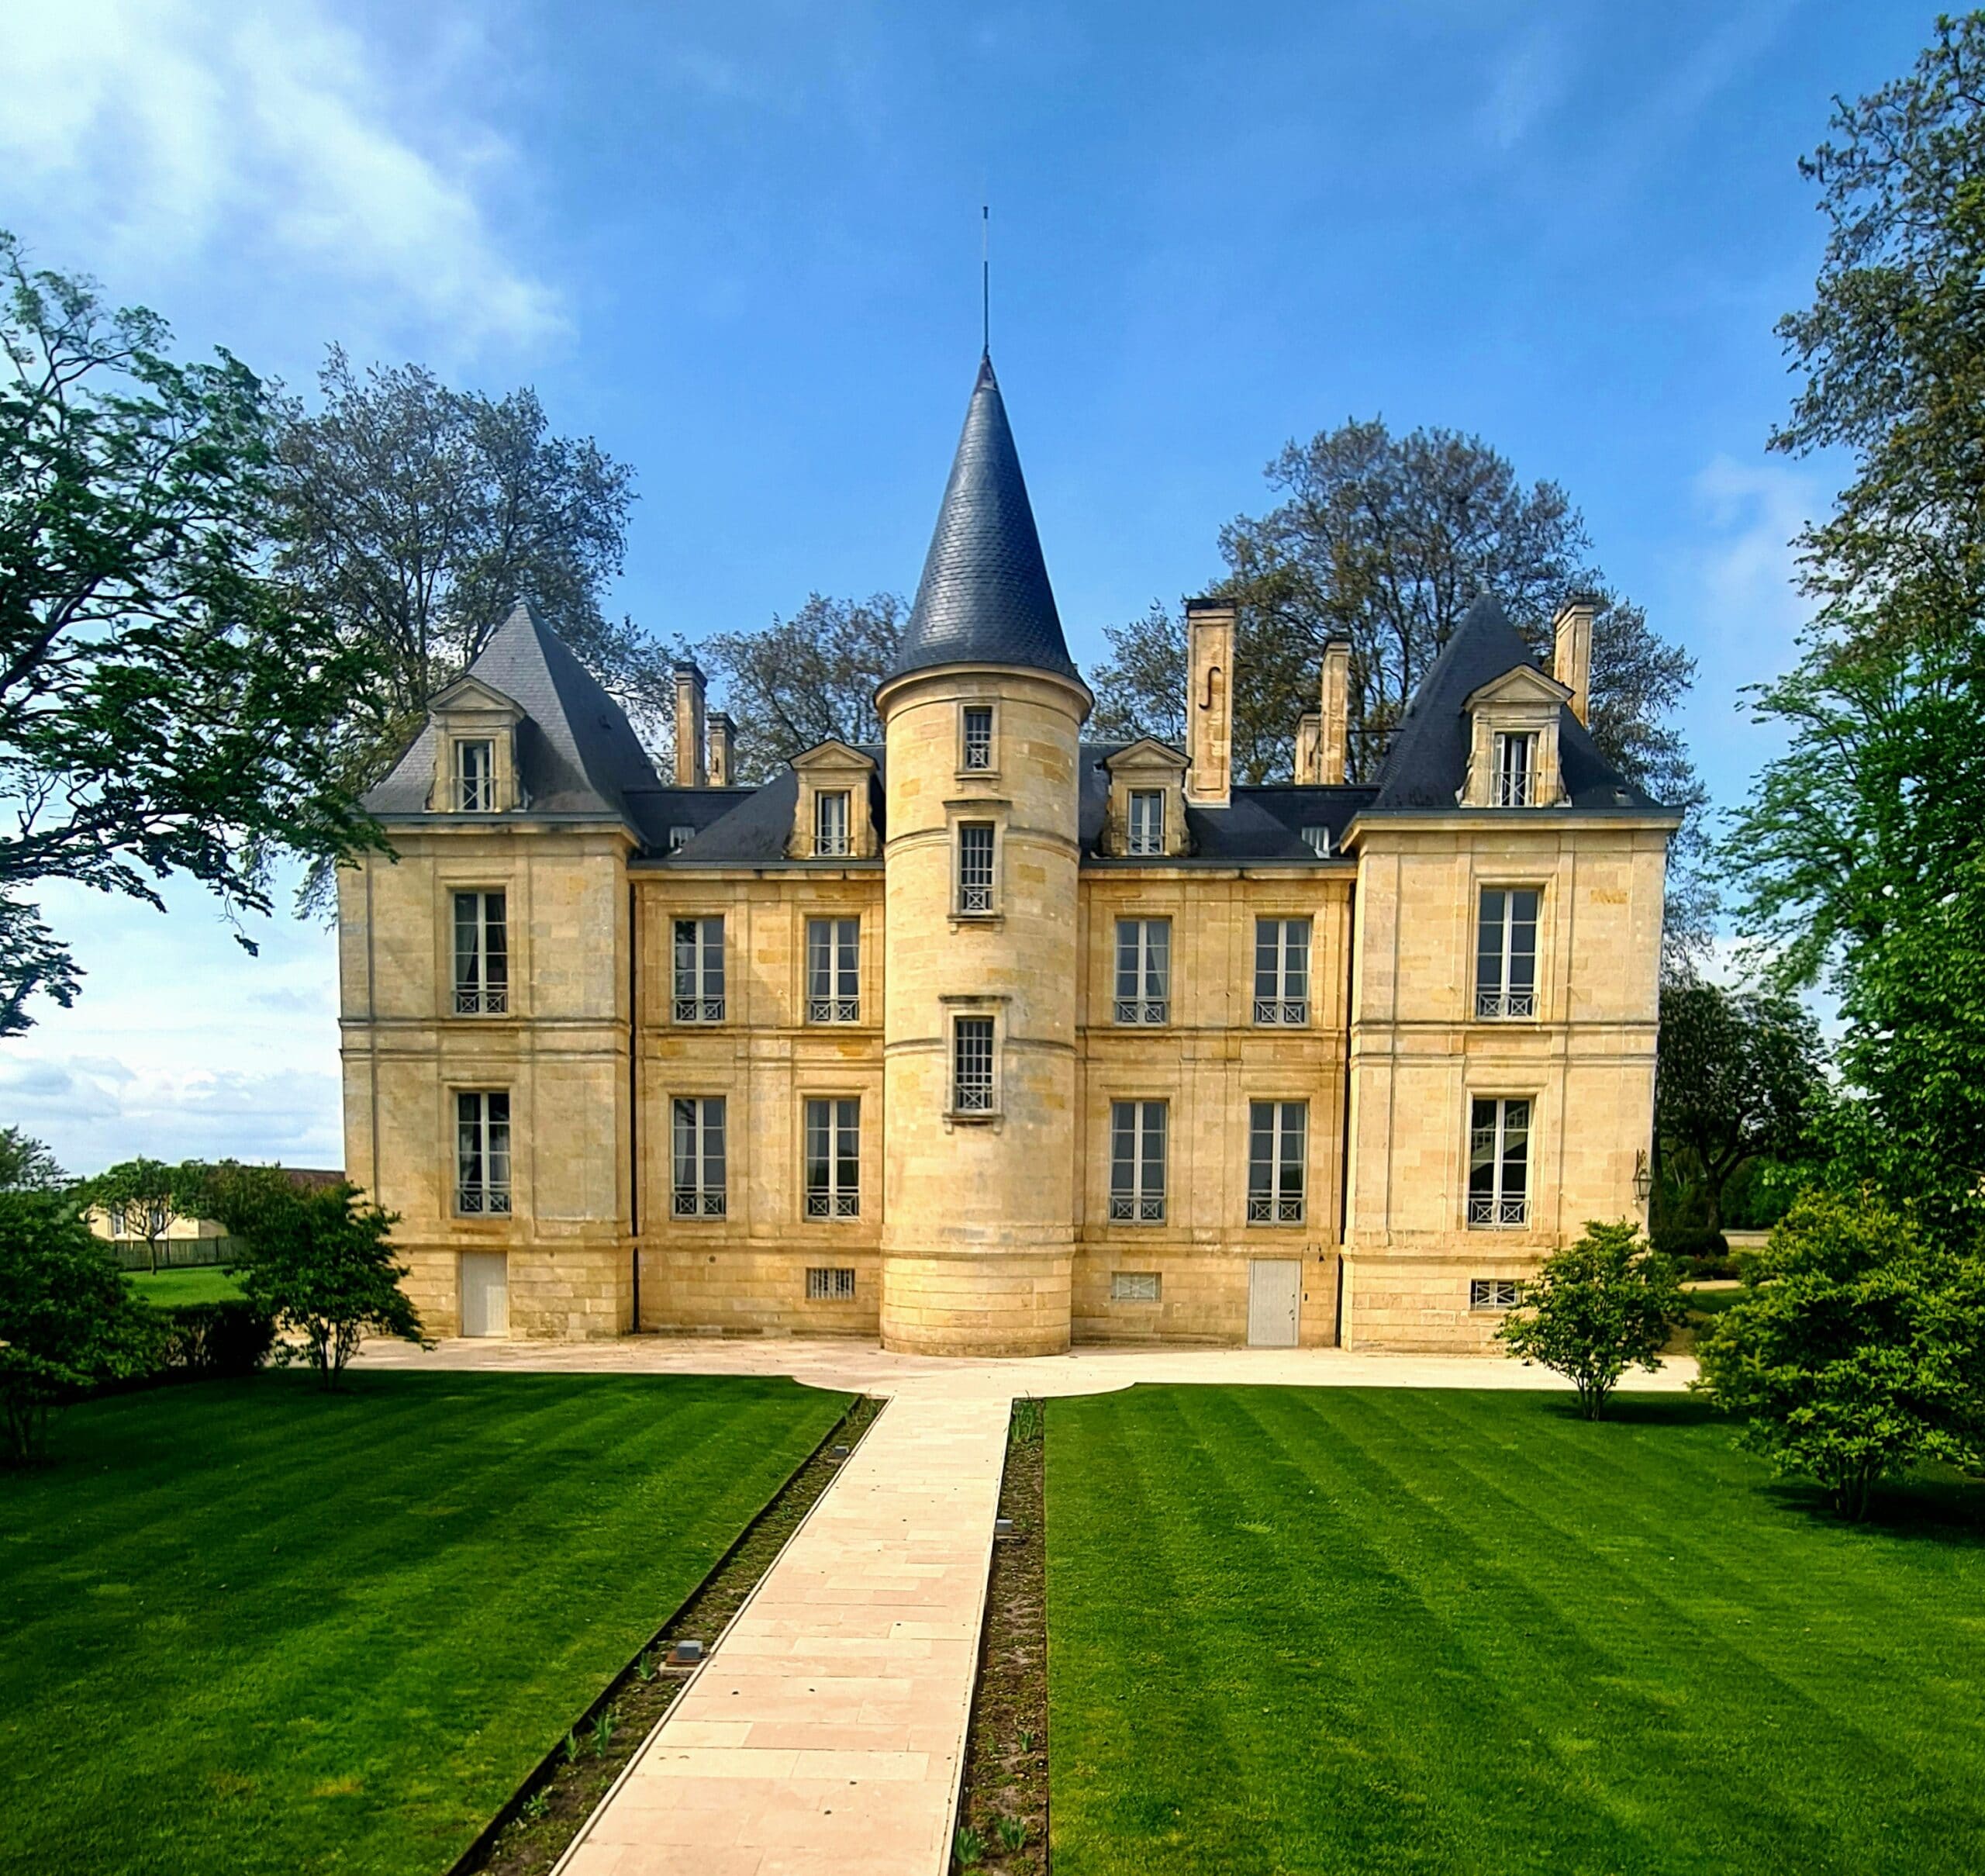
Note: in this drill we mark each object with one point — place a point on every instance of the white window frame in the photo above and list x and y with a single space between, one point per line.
831 1143
978 1095
482 1152
1492 1204
1143 971
680 836
975 753
1281 974
830 1284
832 841
1494 1293
1278 1199
696 965
699 1155
834 970
1317 839
1136 1287
1514 784
476 774
977 896
1140 1140
1498 997
482 969
1145 820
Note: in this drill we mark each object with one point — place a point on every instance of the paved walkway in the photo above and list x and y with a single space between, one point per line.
824 1735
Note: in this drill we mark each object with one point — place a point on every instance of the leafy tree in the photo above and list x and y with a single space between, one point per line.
793 685
1856 1351
27 1166
1596 1309
149 1194
66 1321
409 518
320 1262
1739 1078
161 710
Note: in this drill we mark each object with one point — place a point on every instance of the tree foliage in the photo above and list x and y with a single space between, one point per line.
68 1322
26 1164
161 709
1856 1350
800 681
151 1195
320 1262
1739 1077
410 517
1597 1309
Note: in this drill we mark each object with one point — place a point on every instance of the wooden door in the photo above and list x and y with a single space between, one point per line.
1275 1300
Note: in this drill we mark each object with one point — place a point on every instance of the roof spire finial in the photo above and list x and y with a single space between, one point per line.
985 279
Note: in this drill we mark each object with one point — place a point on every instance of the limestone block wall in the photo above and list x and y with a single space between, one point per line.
1421 1303
1203 1292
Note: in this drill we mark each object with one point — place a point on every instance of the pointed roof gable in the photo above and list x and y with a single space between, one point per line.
984 598
577 753
1428 764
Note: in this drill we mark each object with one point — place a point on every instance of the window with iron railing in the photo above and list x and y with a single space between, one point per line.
1147 820
1494 1293
830 1285
834 970
1277 1132
482 955
972 1065
1515 781
699 970
977 736
482 1152
1136 1162
1499 1165
1282 971
830 824
1135 1286
974 867
1144 970
475 776
1506 952
833 1158
698 1189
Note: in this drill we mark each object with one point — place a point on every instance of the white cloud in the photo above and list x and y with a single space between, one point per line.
173 131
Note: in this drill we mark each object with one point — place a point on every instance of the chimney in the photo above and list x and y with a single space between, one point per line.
689 729
1333 747
1571 663
1208 703
1309 748
723 734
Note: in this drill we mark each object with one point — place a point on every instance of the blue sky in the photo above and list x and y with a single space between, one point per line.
739 244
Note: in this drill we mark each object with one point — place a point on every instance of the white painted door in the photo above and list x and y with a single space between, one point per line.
486 1293
1275 1298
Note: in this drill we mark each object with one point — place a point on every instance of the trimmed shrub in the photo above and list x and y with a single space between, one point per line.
205 1341
1700 1252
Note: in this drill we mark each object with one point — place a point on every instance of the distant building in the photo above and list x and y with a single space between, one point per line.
182 1242
987 1036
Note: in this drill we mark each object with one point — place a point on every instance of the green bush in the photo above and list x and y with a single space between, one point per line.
1704 1250
212 1340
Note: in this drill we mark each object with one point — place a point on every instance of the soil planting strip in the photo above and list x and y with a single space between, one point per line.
1002 1809
533 1830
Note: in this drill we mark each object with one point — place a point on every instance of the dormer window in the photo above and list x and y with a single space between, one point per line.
679 837
476 775
1147 820
1516 769
1318 841
978 738
830 822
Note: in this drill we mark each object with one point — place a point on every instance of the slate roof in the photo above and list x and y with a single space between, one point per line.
1427 766
985 597
577 753
742 827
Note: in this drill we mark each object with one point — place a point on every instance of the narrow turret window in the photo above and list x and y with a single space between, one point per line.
1147 820
1506 953
482 955
699 1157
699 970
833 1158
1282 971
1144 969
974 867
1277 1130
834 970
830 824
977 736
1499 1165
972 1065
1136 1162
482 1152
475 776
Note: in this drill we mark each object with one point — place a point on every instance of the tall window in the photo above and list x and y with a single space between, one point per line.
1144 969
975 866
830 824
834 970
1136 1162
1276 1131
978 736
475 776
1282 970
972 1065
1499 1164
699 970
833 1158
1506 952
1516 769
1147 820
482 1152
482 955
699 1168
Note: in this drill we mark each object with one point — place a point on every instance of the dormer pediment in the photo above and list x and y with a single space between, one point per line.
475 750
833 815
470 695
833 754
1513 740
1148 755
1521 684
1146 818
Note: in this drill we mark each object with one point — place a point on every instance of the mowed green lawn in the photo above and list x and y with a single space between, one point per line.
1341 1631
208 1284
247 1626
